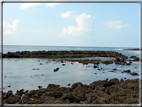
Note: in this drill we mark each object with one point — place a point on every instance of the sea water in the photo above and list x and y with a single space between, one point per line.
18 73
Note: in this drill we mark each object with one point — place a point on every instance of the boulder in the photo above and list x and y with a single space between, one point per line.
134 73
13 99
51 87
56 69
128 71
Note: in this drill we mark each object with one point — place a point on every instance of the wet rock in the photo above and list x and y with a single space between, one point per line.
39 86
128 63
68 84
95 66
114 69
134 73
95 73
56 69
35 68
128 71
133 57
107 62
9 86
63 64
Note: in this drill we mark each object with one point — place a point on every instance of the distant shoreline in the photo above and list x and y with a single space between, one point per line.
135 49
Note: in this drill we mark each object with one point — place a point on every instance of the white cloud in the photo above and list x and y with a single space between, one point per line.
10 29
67 14
83 22
26 5
115 24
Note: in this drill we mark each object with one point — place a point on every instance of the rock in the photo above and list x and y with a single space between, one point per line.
56 69
90 97
107 62
121 80
95 73
76 85
4 95
133 57
68 84
9 86
56 94
32 92
94 66
128 71
114 69
19 93
9 93
124 77
128 63
39 86
63 64
134 73
13 99
52 87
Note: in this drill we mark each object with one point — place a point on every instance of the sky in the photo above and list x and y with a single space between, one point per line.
72 24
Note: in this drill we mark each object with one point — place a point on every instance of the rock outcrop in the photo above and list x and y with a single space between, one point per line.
63 54
106 91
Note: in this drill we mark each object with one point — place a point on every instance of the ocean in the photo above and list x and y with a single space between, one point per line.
18 73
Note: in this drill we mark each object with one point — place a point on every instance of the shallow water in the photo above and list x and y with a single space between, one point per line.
20 74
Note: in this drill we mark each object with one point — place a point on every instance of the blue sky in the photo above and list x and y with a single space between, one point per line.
72 24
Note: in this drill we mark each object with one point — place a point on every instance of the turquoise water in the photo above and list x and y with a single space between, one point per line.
20 74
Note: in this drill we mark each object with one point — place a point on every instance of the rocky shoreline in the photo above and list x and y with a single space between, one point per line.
135 49
111 91
62 54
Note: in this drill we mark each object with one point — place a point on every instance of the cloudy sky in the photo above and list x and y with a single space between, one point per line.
72 24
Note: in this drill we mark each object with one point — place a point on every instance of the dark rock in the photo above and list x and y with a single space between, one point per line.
68 84
94 66
63 64
114 69
107 62
52 87
133 57
95 73
90 97
76 85
63 54
128 63
9 86
9 93
39 86
56 69
134 73
56 94
128 71
13 99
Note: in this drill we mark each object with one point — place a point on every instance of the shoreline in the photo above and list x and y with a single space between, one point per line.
113 91
135 49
